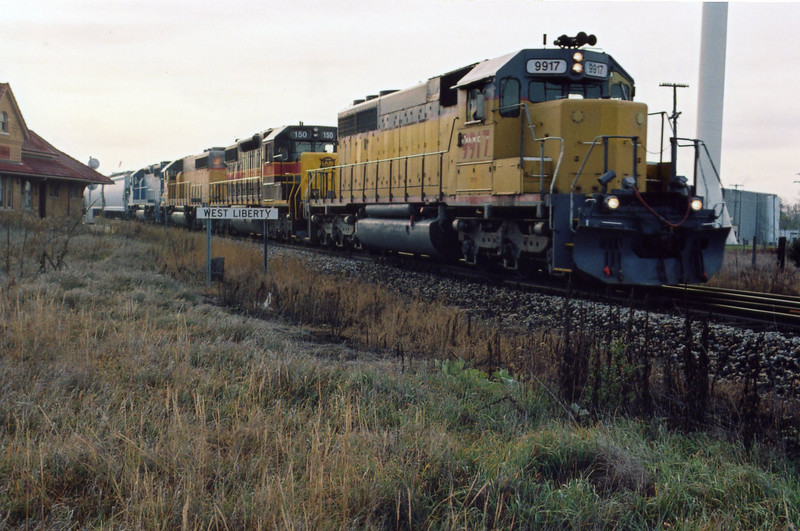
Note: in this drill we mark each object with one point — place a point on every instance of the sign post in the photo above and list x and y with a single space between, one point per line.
208 252
241 213
265 246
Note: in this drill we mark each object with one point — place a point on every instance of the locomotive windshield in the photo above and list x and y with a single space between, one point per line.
569 73
292 142
539 91
290 150
617 87
313 147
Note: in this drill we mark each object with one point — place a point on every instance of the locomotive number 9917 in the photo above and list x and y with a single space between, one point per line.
596 69
546 66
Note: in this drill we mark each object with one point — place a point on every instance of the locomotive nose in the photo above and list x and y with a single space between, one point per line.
615 255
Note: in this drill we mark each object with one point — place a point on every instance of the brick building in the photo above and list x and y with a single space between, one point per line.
34 176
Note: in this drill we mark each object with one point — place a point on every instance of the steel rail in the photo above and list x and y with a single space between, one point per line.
764 308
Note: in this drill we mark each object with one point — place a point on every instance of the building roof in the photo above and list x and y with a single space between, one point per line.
5 89
40 159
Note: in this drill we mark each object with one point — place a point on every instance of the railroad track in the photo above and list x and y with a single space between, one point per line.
736 307
752 309
746 307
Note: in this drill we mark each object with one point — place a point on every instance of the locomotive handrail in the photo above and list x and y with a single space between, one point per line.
662 114
316 171
542 141
558 164
293 193
402 157
696 143
312 174
605 139
242 190
186 193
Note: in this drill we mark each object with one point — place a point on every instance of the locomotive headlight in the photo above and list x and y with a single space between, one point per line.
577 57
577 68
697 204
611 202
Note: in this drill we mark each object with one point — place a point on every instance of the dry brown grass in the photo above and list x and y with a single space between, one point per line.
342 309
738 272
132 399
130 402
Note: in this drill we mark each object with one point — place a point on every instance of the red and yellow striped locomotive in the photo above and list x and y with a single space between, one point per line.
269 169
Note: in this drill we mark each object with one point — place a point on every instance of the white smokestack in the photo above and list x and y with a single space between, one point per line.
710 99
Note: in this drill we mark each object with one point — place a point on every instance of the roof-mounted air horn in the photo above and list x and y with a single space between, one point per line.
581 39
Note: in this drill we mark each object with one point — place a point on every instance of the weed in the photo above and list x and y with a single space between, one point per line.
609 385
739 272
695 371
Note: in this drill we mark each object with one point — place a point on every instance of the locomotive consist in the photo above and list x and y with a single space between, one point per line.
268 169
533 161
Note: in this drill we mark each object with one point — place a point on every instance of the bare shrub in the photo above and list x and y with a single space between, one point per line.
32 246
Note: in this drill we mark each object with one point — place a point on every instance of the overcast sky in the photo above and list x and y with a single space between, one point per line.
132 82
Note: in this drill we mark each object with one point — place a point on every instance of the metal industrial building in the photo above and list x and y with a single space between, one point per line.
754 214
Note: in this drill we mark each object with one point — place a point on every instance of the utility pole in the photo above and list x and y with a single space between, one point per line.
755 234
736 210
674 119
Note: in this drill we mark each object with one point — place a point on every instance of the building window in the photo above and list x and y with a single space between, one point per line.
27 196
2 189
75 191
3 122
9 193
54 189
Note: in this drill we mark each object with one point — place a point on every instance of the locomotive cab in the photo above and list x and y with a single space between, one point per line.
269 170
558 130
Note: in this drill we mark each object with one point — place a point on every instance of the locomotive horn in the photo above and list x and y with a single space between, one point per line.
581 39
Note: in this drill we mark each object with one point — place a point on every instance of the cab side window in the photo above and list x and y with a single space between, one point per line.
620 87
620 91
509 97
475 105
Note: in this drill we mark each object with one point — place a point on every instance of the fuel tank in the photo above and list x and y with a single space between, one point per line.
425 237
179 218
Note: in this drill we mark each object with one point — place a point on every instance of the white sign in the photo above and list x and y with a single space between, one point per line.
546 66
237 213
595 69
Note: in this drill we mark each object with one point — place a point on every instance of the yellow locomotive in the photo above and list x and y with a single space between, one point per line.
531 161
269 169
